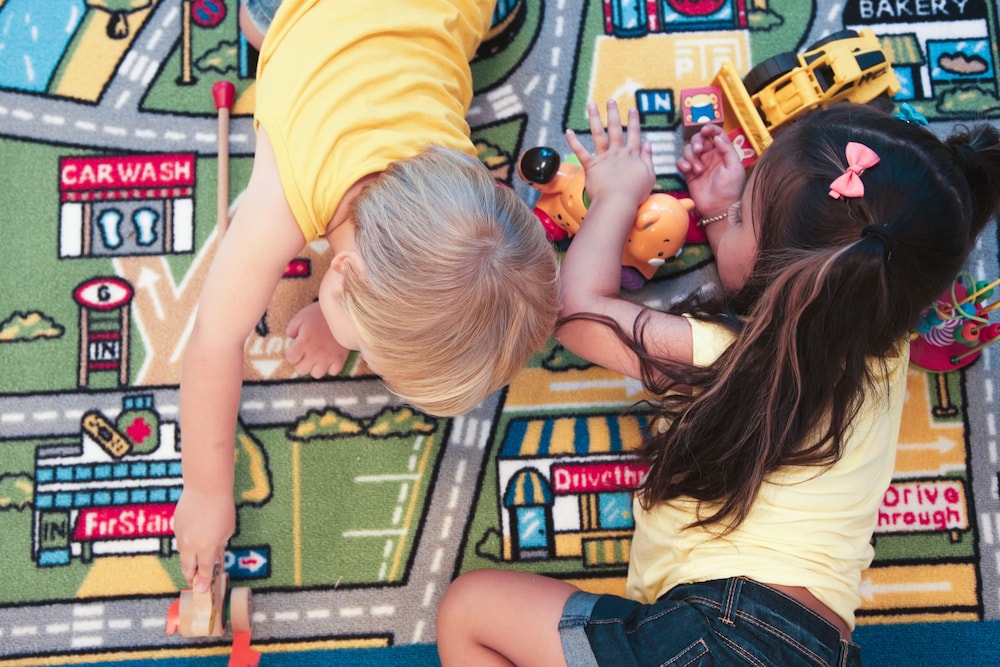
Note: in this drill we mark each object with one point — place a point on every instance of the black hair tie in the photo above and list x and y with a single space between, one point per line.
885 236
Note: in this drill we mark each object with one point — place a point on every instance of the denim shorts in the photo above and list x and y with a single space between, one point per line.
724 622
262 12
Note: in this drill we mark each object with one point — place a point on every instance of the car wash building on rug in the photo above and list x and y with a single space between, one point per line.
125 205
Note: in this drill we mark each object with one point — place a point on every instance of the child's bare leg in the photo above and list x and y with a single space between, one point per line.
497 617
250 31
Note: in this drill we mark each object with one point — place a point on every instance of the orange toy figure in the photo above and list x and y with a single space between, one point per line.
196 614
661 223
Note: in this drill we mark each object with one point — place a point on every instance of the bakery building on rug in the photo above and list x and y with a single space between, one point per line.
114 494
933 46
565 487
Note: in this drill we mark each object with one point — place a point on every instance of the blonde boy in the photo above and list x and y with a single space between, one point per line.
441 279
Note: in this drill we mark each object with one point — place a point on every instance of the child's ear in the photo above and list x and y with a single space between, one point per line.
344 262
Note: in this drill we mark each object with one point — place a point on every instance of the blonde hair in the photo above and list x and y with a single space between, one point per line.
459 286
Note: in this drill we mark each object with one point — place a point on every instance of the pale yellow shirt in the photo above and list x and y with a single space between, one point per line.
809 526
346 88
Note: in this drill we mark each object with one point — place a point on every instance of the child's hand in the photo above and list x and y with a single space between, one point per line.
712 168
622 165
314 351
203 524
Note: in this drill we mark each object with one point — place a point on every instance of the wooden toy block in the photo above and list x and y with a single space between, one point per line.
204 615
701 106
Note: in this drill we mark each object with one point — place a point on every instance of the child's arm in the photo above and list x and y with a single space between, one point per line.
250 260
620 176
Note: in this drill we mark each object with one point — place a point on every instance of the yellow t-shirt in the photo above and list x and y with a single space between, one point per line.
808 527
346 88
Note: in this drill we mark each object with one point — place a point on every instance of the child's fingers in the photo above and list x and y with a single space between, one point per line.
696 144
193 572
686 169
710 131
633 135
694 151
579 150
730 156
203 576
189 565
201 583
615 134
292 330
714 138
647 154
690 162
597 129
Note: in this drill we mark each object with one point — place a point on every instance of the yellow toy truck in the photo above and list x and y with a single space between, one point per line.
845 65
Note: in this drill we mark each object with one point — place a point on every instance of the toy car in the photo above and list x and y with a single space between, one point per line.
846 65
195 614
843 66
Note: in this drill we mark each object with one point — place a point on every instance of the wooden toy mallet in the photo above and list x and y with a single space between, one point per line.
224 93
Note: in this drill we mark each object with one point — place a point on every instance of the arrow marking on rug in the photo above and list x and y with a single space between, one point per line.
869 589
147 281
160 313
630 385
252 562
942 445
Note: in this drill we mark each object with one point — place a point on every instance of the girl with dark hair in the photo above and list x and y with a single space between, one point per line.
780 402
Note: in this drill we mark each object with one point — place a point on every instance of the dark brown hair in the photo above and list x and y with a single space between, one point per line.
823 305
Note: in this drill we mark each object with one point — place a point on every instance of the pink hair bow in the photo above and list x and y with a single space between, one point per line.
848 184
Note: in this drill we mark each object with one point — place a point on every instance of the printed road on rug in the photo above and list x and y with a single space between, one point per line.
355 512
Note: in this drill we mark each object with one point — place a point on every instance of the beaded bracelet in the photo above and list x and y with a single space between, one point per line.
704 222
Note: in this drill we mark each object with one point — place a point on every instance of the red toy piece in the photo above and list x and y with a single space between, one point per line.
224 94
243 655
661 223
743 146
